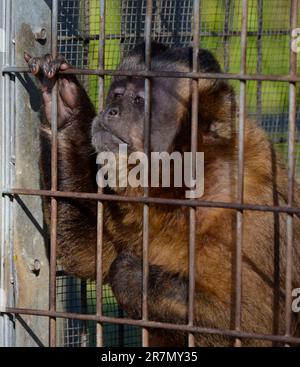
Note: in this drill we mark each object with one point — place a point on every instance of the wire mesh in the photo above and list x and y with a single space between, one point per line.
77 296
268 48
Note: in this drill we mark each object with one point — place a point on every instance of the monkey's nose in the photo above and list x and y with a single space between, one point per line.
113 111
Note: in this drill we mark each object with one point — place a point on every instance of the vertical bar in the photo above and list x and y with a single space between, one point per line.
194 146
12 292
226 35
158 17
121 331
148 24
100 207
83 309
86 34
240 183
291 176
7 270
259 59
53 233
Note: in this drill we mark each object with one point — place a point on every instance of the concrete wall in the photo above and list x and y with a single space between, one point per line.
20 128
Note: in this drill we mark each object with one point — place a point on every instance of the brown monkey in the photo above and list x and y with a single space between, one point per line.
264 247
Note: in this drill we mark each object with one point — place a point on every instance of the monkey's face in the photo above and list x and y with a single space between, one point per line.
123 120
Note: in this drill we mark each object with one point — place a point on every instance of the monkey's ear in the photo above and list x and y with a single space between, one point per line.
217 112
207 62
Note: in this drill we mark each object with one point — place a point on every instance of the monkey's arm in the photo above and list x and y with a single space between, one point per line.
167 293
77 219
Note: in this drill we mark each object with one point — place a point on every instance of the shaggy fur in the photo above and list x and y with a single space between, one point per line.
264 246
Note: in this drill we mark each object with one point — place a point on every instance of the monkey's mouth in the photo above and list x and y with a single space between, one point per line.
105 139
104 130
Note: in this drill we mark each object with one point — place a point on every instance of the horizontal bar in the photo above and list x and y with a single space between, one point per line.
167 74
153 324
95 37
152 200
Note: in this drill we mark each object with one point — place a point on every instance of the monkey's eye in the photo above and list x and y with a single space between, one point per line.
138 100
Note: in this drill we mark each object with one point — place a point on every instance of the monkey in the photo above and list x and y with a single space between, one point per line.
82 134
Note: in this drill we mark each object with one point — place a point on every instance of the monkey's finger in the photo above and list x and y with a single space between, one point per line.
63 64
52 67
33 63
27 56
48 66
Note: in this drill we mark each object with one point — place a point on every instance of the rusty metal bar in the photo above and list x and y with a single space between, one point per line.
240 182
151 200
7 152
291 177
226 36
194 146
147 147
101 54
100 206
54 211
168 74
83 309
154 324
259 43
94 37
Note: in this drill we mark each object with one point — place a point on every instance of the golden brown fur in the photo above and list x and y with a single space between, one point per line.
264 245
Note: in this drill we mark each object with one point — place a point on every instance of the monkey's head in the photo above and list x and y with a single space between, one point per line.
122 121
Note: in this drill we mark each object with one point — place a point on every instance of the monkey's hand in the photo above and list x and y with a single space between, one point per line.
167 293
125 278
45 66
72 99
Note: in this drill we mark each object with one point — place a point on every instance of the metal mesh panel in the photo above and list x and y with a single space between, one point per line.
71 296
171 22
267 102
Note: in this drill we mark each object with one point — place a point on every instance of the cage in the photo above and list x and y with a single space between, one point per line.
251 40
